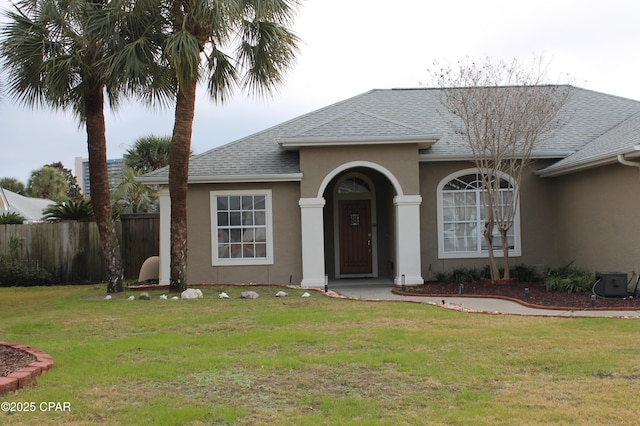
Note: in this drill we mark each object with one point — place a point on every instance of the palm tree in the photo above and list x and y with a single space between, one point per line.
67 54
148 153
80 210
48 182
130 197
262 49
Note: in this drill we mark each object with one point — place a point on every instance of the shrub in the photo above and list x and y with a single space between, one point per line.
16 272
569 278
19 272
459 275
80 210
525 273
486 272
11 218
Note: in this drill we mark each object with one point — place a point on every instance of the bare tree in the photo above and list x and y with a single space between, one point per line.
503 110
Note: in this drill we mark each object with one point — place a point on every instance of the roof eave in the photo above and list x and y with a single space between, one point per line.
535 155
286 177
591 162
294 144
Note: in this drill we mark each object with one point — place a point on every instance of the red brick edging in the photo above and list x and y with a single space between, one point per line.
19 379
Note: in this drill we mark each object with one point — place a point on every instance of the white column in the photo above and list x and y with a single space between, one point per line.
408 239
165 235
312 242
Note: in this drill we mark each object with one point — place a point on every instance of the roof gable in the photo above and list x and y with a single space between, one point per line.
358 127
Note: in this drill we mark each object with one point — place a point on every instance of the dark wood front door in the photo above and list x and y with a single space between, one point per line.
355 236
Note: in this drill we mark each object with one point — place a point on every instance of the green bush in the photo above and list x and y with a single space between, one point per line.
486 272
18 272
81 210
460 275
11 218
569 278
525 274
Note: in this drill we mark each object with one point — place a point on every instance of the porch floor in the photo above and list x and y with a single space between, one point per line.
352 283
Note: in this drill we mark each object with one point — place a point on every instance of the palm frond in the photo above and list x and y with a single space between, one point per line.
182 51
80 210
267 51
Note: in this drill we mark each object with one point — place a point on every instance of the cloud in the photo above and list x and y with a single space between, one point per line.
350 47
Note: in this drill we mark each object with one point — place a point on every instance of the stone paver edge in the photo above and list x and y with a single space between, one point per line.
20 378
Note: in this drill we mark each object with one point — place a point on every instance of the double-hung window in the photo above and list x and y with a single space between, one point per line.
462 209
241 227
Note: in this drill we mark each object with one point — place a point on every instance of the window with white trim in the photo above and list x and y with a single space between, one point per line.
241 227
461 217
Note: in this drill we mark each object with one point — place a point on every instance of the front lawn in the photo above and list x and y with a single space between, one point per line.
316 360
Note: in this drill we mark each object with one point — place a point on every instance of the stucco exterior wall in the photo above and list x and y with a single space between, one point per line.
317 162
590 218
286 238
599 219
537 224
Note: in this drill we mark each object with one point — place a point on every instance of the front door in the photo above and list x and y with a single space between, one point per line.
355 236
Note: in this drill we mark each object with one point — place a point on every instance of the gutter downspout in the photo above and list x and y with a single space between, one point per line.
626 162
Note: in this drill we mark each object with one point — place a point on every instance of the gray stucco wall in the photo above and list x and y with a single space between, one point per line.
286 238
598 215
537 224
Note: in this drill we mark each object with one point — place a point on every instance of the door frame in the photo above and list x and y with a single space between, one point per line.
371 196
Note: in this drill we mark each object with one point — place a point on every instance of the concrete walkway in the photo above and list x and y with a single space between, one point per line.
356 289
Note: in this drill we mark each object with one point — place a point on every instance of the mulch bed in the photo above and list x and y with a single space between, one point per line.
12 359
537 295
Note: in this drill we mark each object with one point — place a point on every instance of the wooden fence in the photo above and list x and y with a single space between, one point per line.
71 251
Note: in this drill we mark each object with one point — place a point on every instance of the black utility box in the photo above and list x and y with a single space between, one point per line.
611 284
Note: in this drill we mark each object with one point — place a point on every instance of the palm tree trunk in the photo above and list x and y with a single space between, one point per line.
99 186
178 183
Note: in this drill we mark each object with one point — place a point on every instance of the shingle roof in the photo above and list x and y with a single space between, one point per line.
359 124
587 117
29 208
622 139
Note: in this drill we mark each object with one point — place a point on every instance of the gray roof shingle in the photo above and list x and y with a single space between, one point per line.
589 118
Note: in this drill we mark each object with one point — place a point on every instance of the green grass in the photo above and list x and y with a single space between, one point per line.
317 360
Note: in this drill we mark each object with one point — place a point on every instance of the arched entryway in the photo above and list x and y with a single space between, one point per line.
354 223
360 225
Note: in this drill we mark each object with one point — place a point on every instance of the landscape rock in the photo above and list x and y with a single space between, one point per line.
144 296
249 295
281 294
192 293
132 298
108 297
306 294
175 298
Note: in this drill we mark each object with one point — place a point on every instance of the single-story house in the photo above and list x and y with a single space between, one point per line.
28 207
381 186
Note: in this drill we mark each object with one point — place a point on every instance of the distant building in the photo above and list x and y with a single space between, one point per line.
114 168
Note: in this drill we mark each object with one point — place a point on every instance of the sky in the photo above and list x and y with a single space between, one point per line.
353 46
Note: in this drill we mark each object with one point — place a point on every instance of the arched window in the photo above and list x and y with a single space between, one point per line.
462 209
353 185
